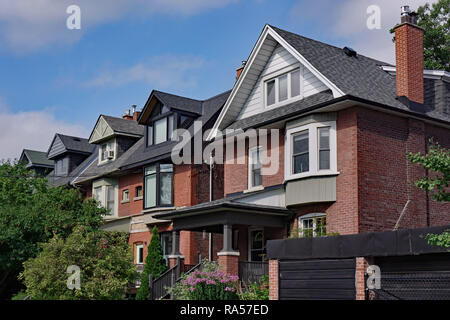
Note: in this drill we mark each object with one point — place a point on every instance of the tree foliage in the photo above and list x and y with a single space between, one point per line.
441 240
31 212
437 163
435 20
154 265
105 262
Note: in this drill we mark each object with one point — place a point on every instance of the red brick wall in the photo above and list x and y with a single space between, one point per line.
130 182
273 279
140 237
409 62
236 175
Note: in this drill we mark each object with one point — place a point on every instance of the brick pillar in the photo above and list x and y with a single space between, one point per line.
174 260
229 262
360 284
175 255
273 279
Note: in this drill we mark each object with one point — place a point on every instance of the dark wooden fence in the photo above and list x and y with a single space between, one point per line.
252 271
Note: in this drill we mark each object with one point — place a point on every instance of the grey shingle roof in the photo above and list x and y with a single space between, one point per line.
358 76
178 102
37 158
120 125
76 144
281 112
140 154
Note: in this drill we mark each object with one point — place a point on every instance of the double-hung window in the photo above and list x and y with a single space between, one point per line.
158 185
107 151
283 87
139 254
254 167
311 150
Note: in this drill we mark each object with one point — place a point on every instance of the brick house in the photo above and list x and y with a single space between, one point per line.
340 126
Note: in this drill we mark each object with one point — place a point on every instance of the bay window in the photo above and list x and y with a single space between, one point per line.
311 150
106 196
158 185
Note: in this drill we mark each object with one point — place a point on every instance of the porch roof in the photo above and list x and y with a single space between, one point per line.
226 211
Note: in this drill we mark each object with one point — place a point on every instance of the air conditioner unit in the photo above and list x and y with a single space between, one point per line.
111 154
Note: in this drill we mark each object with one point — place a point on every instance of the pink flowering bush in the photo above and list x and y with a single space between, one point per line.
214 285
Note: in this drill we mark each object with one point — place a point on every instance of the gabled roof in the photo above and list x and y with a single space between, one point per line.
36 158
140 154
353 76
62 144
108 126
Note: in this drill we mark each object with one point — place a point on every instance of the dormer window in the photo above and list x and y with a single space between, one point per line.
62 167
107 152
160 129
282 88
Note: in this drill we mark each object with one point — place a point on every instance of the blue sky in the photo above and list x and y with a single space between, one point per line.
59 80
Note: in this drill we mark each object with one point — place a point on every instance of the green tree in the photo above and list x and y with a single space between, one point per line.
437 163
104 258
31 212
154 265
435 20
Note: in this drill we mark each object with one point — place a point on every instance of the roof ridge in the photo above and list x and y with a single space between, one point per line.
327 44
176 95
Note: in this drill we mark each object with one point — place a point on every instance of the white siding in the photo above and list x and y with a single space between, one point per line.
57 147
280 59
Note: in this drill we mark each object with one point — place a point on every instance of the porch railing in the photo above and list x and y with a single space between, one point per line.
158 286
252 271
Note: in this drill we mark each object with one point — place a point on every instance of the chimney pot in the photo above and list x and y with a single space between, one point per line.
405 11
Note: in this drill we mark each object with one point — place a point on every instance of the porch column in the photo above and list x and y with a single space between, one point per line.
228 258
175 254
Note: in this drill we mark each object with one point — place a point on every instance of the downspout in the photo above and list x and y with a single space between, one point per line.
210 240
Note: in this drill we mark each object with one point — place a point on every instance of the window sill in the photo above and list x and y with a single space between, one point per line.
158 209
124 201
137 198
310 174
253 189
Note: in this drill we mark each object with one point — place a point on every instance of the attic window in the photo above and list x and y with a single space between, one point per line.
107 152
160 130
282 88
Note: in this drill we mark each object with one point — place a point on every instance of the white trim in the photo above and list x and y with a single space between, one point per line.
268 31
138 246
313 217
114 142
103 201
313 151
228 253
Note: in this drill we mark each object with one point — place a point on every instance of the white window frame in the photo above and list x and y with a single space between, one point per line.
138 246
108 148
250 173
275 76
104 198
127 193
313 151
311 216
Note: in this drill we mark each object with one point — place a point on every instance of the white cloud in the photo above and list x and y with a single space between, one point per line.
167 71
33 24
347 19
31 130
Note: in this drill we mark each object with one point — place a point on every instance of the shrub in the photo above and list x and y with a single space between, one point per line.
215 285
256 291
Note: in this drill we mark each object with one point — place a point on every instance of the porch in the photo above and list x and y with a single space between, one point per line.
244 228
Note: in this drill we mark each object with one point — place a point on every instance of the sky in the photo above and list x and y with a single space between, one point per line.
57 80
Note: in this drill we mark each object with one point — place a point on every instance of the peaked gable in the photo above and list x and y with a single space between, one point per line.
102 130
260 56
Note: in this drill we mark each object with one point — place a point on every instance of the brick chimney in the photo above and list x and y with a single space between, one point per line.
135 113
409 57
239 70
127 115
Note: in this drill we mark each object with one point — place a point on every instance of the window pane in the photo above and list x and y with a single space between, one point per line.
110 198
170 126
150 169
324 138
165 194
324 159
140 254
160 130
301 163
150 191
257 178
301 142
257 239
295 83
282 88
98 194
104 152
270 92
149 135
166 167
139 191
